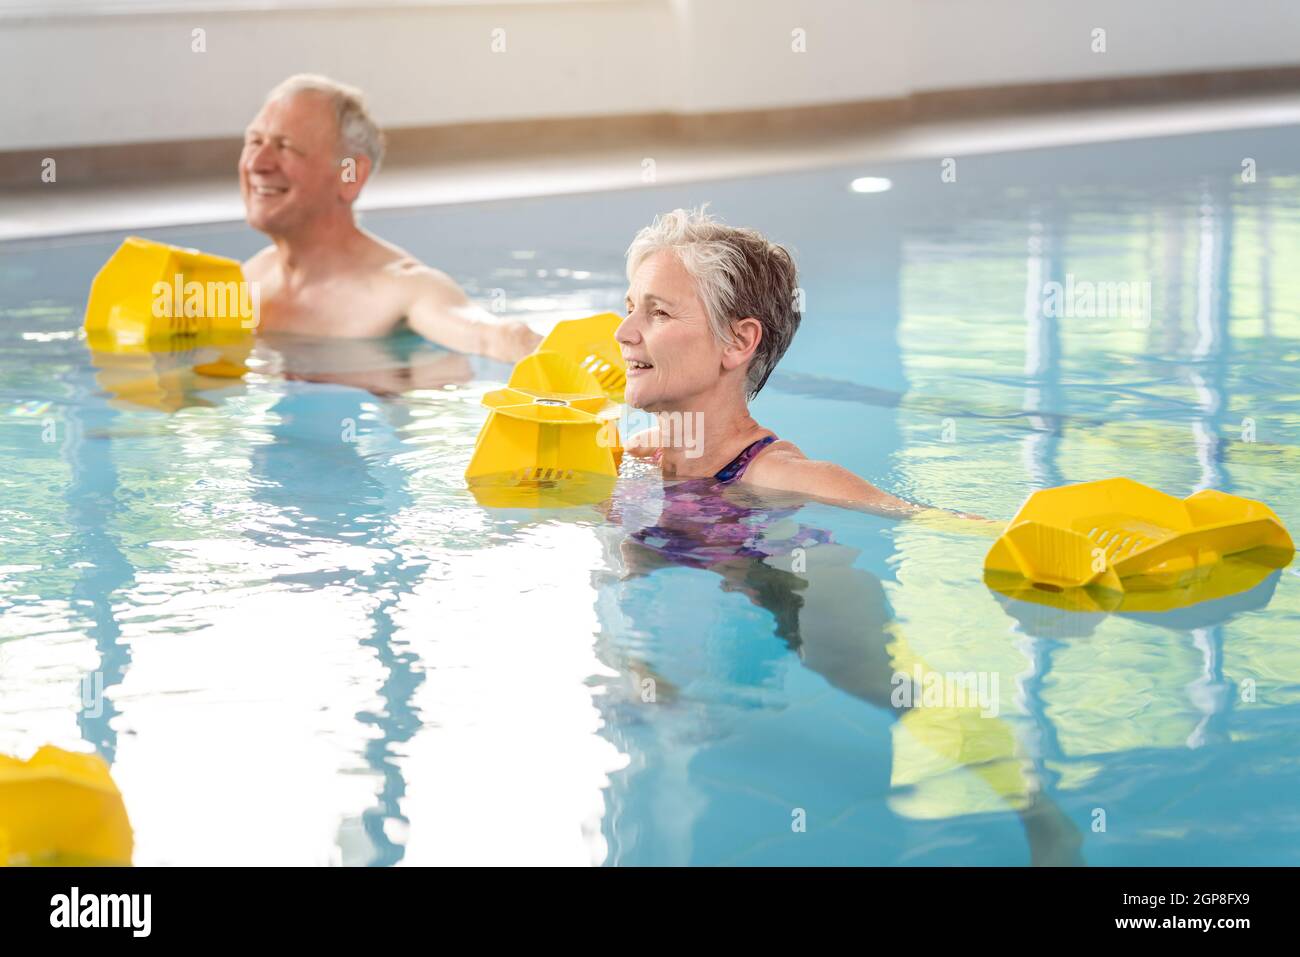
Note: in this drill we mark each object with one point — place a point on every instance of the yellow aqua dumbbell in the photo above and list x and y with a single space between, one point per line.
60 807
552 420
590 343
1118 537
149 291
551 437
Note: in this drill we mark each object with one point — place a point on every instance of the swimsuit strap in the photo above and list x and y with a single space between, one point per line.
736 467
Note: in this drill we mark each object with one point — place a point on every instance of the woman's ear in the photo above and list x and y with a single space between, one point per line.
746 334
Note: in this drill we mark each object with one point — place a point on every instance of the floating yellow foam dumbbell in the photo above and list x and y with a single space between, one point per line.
1121 537
60 807
149 290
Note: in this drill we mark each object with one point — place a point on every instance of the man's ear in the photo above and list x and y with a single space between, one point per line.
746 334
353 173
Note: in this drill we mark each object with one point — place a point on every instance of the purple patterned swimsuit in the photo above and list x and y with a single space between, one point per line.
699 526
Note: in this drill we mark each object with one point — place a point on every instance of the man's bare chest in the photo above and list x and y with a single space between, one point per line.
352 309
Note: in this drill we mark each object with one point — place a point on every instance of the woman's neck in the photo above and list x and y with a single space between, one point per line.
699 437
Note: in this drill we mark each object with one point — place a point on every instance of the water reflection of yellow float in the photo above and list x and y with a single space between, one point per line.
952 754
166 375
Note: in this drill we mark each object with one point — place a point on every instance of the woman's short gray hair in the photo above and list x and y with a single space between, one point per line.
358 132
738 273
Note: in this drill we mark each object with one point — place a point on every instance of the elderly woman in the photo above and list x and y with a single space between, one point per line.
710 311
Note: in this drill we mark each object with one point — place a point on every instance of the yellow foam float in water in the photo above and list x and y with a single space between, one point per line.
591 344
59 807
1123 542
551 438
165 323
552 423
149 290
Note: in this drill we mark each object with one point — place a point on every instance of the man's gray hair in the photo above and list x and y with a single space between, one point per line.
358 132
738 273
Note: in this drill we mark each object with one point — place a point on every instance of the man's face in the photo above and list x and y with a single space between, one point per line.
289 171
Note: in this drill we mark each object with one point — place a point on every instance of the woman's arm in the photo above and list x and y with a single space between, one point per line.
782 467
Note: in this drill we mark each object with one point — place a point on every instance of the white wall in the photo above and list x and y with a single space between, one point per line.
81 80
738 54
127 78
956 43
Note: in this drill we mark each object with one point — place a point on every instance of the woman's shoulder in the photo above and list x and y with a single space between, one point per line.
783 466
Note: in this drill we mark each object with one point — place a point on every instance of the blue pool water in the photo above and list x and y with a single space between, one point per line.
314 646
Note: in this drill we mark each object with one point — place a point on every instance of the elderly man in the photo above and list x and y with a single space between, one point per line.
307 155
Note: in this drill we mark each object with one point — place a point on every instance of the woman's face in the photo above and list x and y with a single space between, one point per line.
672 355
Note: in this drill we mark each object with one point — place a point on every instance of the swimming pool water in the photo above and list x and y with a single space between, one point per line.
275 609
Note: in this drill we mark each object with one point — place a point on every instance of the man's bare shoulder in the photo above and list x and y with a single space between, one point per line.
372 252
407 268
422 282
261 263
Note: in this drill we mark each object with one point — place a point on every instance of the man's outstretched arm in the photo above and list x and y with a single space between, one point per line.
442 313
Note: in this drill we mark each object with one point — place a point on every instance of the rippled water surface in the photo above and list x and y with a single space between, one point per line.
314 646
